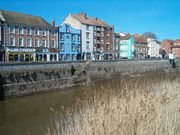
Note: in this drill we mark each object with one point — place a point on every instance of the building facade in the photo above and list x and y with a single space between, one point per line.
127 47
141 46
28 38
166 45
2 51
154 46
69 43
97 36
116 45
176 48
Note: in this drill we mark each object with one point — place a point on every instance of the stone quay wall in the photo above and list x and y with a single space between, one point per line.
32 78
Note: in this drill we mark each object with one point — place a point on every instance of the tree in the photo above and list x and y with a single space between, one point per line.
150 35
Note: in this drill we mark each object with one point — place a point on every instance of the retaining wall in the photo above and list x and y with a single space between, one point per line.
31 78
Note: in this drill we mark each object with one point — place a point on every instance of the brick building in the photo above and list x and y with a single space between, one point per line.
116 45
27 38
141 46
176 48
166 45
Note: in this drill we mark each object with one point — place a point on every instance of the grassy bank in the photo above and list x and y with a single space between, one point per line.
147 105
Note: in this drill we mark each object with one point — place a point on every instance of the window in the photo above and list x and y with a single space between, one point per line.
12 29
87 27
79 48
67 28
102 29
62 57
28 43
73 57
53 43
43 43
98 46
28 31
36 42
73 47
53 32
87 36
20 41
107 46
12 41
61 36
36 32
68 57
98 28
102 34
94 33
94 27
95 41
102 41
79 38
43 32
73 37
62 47
87 46
20 30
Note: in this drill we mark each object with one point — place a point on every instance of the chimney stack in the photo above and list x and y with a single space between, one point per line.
53 22
84 15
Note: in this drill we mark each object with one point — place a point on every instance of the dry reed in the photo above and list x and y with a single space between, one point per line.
148 105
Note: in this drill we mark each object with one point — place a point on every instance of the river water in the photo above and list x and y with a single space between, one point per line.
21 115
32 113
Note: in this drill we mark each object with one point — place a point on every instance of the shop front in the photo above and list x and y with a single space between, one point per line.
53 53
42 54
21 54
108 55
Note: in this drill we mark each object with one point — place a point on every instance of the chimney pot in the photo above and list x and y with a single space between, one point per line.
53 22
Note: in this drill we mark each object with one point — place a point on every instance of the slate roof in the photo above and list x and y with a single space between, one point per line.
140 38
128 36
177 42
24 19
117 35
167 42
90 20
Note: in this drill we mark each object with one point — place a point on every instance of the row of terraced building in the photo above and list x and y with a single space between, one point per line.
79 37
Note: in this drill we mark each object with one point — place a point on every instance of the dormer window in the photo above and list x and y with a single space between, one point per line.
67 28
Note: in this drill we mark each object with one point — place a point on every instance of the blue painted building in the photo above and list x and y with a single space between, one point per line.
69 43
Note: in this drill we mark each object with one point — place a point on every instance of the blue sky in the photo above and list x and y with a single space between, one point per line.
133 16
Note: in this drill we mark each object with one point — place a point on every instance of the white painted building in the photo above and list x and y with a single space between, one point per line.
87 36
96 35
154 47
